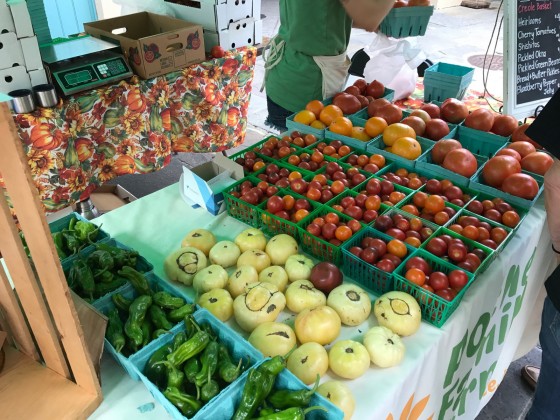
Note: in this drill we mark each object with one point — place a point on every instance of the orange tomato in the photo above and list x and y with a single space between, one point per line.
471 232
414 183
342 233
294 160
317 157
396 131
322 179
319 125
329 150
289 202
304 117
402 172
319 221
457 228
258 165
338 207
373 202
396 196
434 204
341 125
416 276
411 208
359 133
378 160
337 187
315 106
329 114
332 218
301 214
294 175
419 199
397 248
344 150
412 241
407 147
441 218
375 126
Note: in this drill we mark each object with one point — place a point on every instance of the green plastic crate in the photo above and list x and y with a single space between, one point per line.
406 191
477 184
435 309
377 146
480 196
284 161
404 22
490 253
451 74
408 216
305 129
408 200
350 141
434 91
320 248
273 225
364 273
240 209
351 193
426 163
493 224
479 142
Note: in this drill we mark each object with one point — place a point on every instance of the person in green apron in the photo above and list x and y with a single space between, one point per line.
307 59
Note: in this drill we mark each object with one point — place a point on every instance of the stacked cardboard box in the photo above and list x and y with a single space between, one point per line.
20 59
228 23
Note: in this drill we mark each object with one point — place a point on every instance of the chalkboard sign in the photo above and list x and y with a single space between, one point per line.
532 73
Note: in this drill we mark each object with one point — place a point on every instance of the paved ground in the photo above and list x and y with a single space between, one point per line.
456 35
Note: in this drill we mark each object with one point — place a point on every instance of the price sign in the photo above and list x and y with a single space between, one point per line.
532 37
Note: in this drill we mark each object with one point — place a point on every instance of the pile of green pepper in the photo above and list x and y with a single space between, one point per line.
100 272
133 323
259 397
193 368
71 240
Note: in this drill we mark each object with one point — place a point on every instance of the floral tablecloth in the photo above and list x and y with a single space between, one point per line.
135 125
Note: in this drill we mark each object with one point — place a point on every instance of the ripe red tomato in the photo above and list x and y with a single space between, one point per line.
454 111
390 113
499 168
442 148
375 89
348 103
522 147
504 125
509 152
521 185
436 129
432 110
375 105
458 279
461 161
480 119
537 162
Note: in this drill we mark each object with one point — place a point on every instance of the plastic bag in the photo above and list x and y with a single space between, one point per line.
134 6
393 62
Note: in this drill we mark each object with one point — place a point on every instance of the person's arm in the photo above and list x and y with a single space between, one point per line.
552 200
367 14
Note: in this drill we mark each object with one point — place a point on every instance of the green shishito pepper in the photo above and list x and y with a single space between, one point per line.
121 257
209 390
71 242
121 302
209 361
191 368
293 413
101 289
178 314
101 259
147 331
115 333
80 274
194 345
138 280
159 319
286 398
155 371
187 404
179 339
167 301
85 231
133 325
58 240
228 371
175 376
258 385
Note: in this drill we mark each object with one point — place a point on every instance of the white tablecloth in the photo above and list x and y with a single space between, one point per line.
447 372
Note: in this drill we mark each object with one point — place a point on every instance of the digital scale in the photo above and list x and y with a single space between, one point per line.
83 64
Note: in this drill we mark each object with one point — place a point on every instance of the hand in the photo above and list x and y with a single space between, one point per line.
367 14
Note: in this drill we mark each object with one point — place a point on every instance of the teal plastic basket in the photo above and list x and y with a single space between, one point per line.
449 74
437 91
350 141
377 146
426 163
435 309
302 128
477 184
479 142
403 22
238 348
156 284
229 399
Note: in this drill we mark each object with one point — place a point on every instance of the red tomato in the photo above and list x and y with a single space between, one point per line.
442 148
480 119
375 105
499 168
454 111
521 185
509 152
504 125
537 162
390 113
522 147
436 129
461 161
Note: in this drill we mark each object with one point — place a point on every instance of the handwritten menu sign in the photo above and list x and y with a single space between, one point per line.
538 50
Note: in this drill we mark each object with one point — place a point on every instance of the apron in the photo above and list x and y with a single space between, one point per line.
334 68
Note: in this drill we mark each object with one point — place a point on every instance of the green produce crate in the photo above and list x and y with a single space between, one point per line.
408 200
480 196
238 348
366 274
377 146
305 172
404 22
350 141
273 225
408 216
142 265
479 142
240 209
318 247
351 193
490 253
426 163
452 74
252 148
63 224
127 362
435 309
493 224
228 400
477 184
438 91
345 168
406 191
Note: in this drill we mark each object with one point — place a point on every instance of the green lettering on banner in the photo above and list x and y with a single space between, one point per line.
481 340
